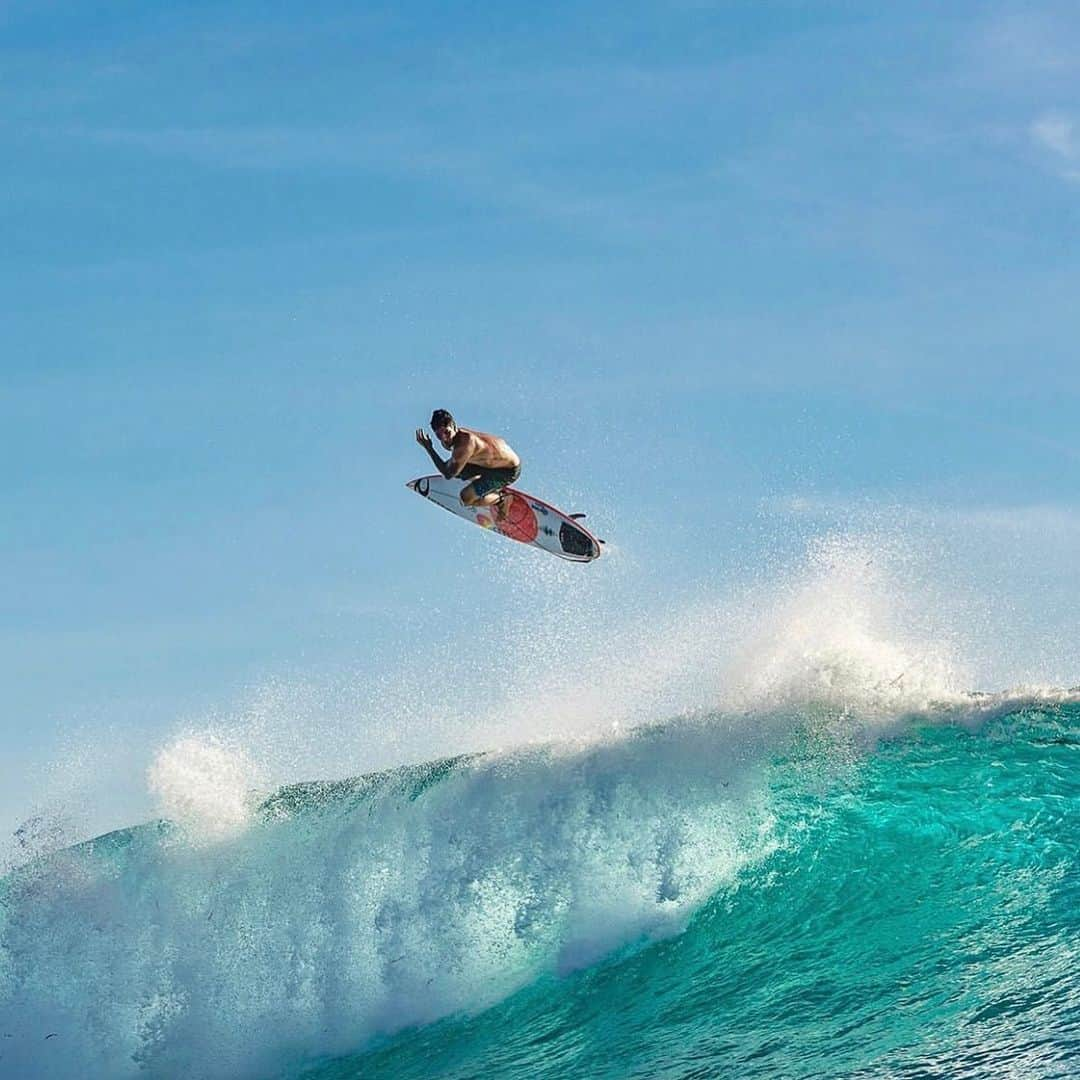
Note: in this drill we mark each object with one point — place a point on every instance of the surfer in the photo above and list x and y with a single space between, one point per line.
488 461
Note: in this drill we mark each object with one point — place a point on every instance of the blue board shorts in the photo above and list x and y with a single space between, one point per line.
485 480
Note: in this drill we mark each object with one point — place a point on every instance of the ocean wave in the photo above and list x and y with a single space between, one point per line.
680 784
331 913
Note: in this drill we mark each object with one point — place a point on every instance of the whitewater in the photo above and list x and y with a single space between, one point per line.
781 836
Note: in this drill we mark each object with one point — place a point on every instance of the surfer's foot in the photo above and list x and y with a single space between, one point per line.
502 507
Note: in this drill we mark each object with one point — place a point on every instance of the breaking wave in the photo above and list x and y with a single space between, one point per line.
826 859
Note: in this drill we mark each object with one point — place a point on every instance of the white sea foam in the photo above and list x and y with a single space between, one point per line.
853 628
203 785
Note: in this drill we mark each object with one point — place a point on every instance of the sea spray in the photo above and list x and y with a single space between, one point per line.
857 618
247 936
203 785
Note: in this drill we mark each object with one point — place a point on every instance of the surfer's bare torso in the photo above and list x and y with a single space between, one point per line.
469 447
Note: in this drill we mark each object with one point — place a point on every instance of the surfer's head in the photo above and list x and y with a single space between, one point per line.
442 423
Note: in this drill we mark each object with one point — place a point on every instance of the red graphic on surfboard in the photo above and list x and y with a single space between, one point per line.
516 519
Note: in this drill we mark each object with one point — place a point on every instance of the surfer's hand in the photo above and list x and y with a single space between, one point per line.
423 438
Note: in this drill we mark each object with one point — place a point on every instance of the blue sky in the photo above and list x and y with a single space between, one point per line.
712 268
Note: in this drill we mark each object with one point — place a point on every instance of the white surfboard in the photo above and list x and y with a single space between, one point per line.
528 520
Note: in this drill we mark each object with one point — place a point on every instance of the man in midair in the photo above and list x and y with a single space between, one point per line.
487 461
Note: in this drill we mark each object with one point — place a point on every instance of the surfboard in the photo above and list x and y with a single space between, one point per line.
528 520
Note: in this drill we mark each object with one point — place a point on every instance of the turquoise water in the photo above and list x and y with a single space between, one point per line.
920 917
796 894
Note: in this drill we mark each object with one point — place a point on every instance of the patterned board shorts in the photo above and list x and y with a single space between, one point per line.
485 480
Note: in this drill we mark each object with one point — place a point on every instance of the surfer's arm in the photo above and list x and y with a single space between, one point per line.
463 447
447 468
460 457
442 466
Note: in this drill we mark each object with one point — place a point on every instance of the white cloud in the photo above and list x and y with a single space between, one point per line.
1056 133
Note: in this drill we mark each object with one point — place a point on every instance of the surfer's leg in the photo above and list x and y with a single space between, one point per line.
488 489
479 492
495 498
499 495
489 498
502 503
475 495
